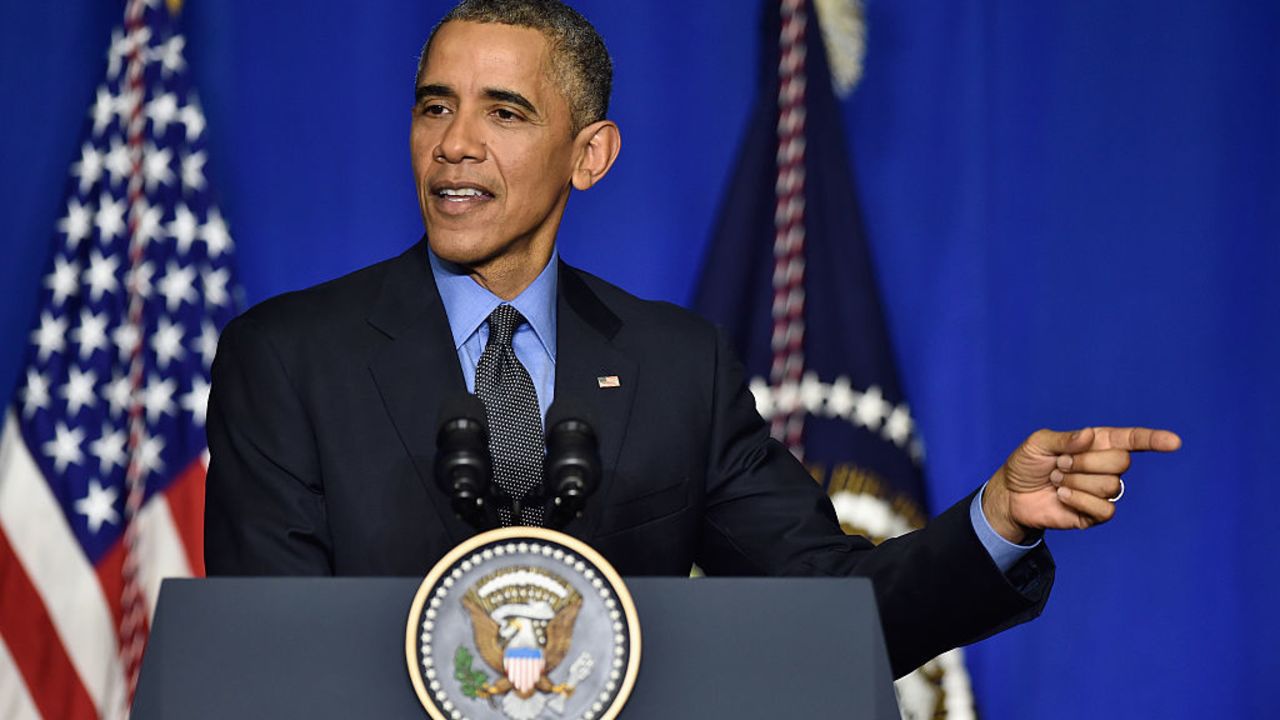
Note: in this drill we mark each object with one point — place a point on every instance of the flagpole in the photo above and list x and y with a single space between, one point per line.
133 628
788 249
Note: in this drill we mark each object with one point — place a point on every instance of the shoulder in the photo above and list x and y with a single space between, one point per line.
329 320
332 301
638 315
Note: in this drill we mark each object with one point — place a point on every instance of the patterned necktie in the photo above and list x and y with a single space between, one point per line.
515 422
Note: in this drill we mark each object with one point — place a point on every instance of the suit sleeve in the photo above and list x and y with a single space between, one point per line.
264 501
936 588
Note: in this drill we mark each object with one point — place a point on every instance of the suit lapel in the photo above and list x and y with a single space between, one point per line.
585 329
417 368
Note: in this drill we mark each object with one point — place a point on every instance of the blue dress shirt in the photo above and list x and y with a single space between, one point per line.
467 306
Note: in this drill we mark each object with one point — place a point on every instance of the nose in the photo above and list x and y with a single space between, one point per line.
461 141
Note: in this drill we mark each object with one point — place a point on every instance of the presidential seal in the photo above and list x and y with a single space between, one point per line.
522 623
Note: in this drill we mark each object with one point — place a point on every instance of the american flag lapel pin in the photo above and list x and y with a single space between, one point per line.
608 381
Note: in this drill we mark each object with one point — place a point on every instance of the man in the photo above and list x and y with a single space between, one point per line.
324 405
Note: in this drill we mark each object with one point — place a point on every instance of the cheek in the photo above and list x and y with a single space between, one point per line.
421 145
540 171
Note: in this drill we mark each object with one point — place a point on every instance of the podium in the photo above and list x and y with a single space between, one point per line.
320 648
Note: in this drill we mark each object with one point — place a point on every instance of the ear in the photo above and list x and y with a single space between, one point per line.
598 146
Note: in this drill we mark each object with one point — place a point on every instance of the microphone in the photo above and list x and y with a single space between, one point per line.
463 469
571 471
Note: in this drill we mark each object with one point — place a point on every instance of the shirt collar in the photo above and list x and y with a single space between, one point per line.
467 305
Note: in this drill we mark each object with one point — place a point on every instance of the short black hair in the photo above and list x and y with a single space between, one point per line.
580 61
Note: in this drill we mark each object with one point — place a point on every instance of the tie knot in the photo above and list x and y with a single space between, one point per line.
503 322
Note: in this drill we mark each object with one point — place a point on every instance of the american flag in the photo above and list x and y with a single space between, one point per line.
102 452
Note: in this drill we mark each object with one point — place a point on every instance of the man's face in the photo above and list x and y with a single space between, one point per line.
493 150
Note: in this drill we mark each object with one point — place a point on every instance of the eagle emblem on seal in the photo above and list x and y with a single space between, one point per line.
522 621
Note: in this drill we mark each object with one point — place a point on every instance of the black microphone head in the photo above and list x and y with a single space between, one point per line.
572 468
566 417
463 468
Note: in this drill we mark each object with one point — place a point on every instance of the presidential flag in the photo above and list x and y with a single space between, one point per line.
790 280
102 452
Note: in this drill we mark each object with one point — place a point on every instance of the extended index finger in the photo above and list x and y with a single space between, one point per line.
1138 439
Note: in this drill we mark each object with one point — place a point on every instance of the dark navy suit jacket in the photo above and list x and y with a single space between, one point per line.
322 438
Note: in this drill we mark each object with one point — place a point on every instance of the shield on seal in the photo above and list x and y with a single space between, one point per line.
523 666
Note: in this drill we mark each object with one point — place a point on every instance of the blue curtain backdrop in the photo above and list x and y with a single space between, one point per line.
1074 209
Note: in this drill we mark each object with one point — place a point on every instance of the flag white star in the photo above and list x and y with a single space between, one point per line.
157 398
149 450
184 227
785 397
193 170
50 337
126 101
196 402
35 394
110 217
178 285
104 110
77 224
109 449
64 281
215 286
89 168
842 398
64 448
170 55
214 233
193 120
162 111
898 427
871 408
125 337
101 274
98 506
812 393
155 167
119 393
167 342
148 222
207 343
117 162
138 279
116 53
78 390
122 45
91 333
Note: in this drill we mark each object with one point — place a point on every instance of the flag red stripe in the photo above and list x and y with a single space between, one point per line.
186 504
36 648
109 575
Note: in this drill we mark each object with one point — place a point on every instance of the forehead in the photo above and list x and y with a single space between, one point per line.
470 56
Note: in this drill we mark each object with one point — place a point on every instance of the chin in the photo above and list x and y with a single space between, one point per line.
460 248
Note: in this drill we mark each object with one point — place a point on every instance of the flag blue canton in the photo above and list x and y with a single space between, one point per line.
74 400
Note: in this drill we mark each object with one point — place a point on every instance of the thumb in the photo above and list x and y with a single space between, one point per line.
1053 442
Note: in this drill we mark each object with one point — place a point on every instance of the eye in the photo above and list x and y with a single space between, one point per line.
506 115
432 109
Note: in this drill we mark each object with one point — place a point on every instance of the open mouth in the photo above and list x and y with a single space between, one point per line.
458 198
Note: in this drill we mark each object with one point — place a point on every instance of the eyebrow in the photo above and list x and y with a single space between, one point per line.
496 94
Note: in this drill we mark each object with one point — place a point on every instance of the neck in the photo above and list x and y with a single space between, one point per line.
509 275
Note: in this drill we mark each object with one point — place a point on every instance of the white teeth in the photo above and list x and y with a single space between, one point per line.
461 192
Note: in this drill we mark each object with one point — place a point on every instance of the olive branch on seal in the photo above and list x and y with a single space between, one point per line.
471 679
